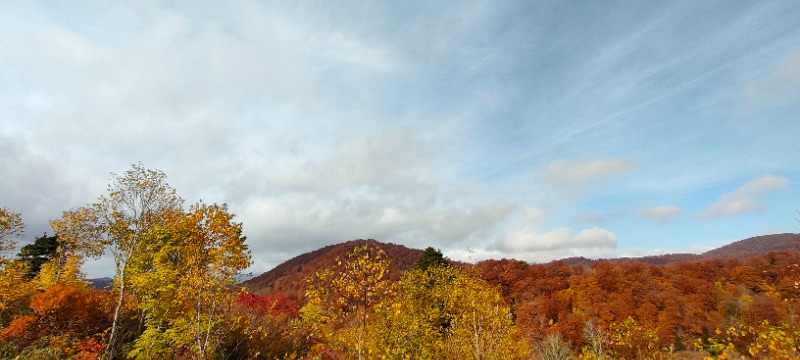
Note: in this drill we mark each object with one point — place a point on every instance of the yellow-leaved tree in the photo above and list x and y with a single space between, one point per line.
14 287
11 225
445 312
185 280
66 271
340 300
136 201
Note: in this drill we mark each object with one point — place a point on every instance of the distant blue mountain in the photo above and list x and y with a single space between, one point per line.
101 283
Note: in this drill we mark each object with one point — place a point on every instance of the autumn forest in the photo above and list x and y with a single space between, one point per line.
176 294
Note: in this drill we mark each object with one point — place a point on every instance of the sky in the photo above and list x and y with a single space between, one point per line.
534 130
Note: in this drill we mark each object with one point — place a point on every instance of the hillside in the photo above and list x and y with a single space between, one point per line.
682 300
101 283
742 249
755 246
289 277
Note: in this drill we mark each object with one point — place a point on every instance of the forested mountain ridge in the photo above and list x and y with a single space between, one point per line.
739 299
755 246
289 277
742 249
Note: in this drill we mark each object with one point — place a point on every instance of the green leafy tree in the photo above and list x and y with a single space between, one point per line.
431 257
38 253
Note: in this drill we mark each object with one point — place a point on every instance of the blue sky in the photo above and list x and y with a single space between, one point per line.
532 130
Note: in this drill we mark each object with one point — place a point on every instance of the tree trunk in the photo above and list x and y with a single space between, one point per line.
110 348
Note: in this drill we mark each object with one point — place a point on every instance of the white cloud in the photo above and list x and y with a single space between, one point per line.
526 240
390 160
465 226
382 186
533 217
567 173
544 256
295 224
662 213
745 199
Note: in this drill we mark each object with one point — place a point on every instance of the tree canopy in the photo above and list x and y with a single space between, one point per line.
431 257
42 250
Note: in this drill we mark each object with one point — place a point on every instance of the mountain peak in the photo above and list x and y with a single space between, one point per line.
290 277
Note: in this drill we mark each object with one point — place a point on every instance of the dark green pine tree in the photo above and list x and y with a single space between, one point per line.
431 257
38 253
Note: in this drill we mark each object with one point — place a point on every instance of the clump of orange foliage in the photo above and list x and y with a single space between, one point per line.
71 319
653 309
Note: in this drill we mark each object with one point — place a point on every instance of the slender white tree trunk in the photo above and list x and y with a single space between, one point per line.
115 324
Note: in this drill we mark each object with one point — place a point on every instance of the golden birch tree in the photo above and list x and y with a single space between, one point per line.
136 200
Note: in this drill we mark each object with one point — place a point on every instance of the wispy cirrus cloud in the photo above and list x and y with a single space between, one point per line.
745 199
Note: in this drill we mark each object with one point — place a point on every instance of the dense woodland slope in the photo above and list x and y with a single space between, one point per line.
739 299
289 277
756 246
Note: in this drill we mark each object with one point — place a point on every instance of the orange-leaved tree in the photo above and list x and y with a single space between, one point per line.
66 315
